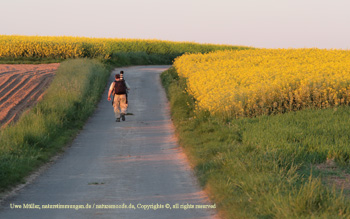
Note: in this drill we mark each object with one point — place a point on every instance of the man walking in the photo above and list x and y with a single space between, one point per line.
119 88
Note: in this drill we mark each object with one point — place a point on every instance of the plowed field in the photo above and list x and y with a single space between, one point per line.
21 86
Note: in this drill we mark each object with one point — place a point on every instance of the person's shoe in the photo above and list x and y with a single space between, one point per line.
123 116
117 120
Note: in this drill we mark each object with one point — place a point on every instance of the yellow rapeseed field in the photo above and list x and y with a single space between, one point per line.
266 81
63 47
51 47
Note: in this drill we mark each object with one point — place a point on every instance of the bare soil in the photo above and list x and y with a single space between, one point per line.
340 179
21 86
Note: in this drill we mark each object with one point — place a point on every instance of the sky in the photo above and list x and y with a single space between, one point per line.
256 23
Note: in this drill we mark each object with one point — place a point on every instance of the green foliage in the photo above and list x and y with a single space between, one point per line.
139 58
309 136
261 167
32 60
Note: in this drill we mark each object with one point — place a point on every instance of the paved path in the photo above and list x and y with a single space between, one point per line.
137 163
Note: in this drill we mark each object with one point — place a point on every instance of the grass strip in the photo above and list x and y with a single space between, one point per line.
139 58
264 167
53 122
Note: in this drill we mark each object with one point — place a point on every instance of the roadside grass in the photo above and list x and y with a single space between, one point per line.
265 167
139 58
53 122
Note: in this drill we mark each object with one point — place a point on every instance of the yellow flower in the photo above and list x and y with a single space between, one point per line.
266 81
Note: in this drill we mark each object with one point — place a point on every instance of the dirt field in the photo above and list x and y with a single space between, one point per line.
21 86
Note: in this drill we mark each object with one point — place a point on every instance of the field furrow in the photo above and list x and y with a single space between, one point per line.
4 72
7 81
11 91
16 108
22 86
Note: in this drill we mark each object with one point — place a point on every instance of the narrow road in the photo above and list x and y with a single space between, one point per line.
111 166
